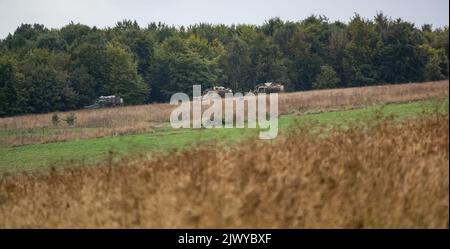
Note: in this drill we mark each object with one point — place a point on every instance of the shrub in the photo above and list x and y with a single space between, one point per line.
55 119
70 119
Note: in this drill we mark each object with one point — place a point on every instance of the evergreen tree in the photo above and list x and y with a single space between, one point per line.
327 78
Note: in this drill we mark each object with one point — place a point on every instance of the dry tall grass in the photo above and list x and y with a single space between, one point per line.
32 129
360 96
390 176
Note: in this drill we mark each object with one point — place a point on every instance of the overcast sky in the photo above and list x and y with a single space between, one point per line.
101 13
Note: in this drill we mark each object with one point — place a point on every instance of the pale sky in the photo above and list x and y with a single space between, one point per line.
102 13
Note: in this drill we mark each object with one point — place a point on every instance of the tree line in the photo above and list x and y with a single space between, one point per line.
44 70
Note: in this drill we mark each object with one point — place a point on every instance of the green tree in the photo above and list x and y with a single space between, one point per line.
25 37
140 43
44 87
397 57
180 65
336 49
236 63
267 62
435 61
88 67
358 62
9 81
73 32
123 78
327 78
52 41
305 63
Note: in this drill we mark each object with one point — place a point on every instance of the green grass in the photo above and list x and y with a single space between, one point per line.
362 115
37 132
87 151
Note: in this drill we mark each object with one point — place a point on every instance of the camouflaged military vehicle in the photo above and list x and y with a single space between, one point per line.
268 87
106 101
220 90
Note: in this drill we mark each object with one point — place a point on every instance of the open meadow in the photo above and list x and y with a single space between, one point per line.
33 129
370 157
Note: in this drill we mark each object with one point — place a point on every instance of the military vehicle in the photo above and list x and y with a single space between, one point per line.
220 90
106 101
268 87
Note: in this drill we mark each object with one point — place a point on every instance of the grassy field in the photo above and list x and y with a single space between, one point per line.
34 129
163 139
381 173
374 157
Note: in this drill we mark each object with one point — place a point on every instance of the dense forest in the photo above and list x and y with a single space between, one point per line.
44 70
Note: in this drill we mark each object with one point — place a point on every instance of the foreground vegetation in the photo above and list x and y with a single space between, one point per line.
381 175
